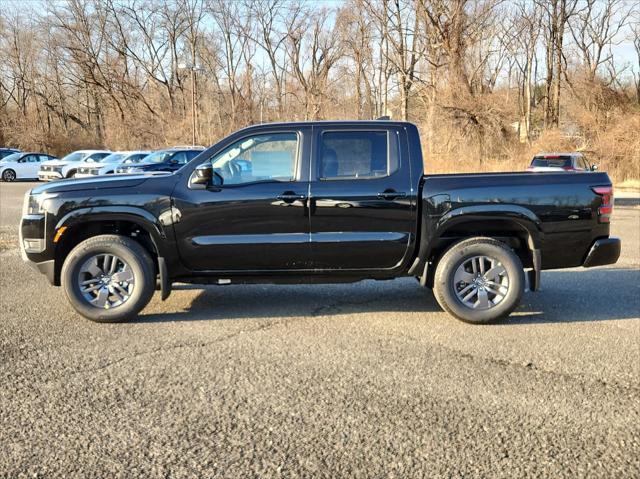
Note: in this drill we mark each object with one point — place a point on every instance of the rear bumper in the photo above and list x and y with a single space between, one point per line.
603 251
85 175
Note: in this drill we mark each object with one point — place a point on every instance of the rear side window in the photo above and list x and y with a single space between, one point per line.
357 154
559 162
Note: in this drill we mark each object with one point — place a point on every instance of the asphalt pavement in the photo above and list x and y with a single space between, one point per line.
360 380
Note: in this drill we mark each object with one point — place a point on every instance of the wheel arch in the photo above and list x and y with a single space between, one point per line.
512 224
8 168
82 224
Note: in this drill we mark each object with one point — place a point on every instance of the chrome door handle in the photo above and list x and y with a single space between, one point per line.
391 195
288 197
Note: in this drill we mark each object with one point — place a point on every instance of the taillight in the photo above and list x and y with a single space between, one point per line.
606 205
568 168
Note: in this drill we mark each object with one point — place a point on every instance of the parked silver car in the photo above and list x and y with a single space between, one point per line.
560 162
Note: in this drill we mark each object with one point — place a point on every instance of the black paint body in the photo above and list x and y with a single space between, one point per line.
340 230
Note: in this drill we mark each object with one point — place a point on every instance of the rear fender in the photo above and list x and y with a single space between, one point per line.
435 231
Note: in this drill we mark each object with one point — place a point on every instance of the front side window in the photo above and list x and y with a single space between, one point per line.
268 157
158 157
357 154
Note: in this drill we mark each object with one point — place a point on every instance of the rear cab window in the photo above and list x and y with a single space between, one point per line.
357 154
552 162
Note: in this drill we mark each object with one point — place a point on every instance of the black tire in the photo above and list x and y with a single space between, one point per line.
446 291
71 174
9 175
137 258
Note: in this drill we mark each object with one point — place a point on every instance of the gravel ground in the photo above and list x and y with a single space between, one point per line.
364 380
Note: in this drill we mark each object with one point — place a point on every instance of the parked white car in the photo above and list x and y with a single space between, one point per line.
68 166
108 164
22 165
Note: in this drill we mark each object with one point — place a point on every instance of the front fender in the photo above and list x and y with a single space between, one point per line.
139 216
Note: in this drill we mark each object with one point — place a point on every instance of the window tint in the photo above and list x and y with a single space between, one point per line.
269 157
180 158
32 159
44 158
192 154
560 162
357 154
135 158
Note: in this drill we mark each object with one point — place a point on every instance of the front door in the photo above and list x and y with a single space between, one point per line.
361 201
258 219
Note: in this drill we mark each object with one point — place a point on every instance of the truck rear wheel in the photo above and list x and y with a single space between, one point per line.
479 280
108 278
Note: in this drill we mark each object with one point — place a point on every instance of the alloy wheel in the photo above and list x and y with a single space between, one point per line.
481 282
106 281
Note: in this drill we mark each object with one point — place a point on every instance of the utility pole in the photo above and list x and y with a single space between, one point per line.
194 113
193 106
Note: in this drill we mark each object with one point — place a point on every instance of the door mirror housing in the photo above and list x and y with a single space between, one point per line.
204 177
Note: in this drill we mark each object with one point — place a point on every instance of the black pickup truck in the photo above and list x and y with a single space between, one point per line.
314 203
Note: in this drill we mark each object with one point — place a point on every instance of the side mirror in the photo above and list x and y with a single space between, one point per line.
594 167
204 176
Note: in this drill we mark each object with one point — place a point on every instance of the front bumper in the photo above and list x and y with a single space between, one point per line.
45 267
49 175
34 226
86 175
603 251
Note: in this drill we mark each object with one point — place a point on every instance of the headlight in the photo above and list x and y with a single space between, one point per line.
34 204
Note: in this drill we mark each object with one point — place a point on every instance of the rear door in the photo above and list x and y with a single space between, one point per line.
361 216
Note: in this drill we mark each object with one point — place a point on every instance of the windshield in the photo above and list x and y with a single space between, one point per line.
12 157
75 156
112 158
158 157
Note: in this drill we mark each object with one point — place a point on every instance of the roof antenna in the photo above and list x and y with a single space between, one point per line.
385 117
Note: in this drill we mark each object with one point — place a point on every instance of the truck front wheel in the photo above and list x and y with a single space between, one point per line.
108 278
479 280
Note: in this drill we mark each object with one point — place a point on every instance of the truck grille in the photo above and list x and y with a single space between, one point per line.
57 169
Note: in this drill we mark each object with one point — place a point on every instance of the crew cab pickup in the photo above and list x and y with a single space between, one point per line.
315 202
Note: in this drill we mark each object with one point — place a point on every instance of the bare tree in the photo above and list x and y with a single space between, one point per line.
595 28
313 51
